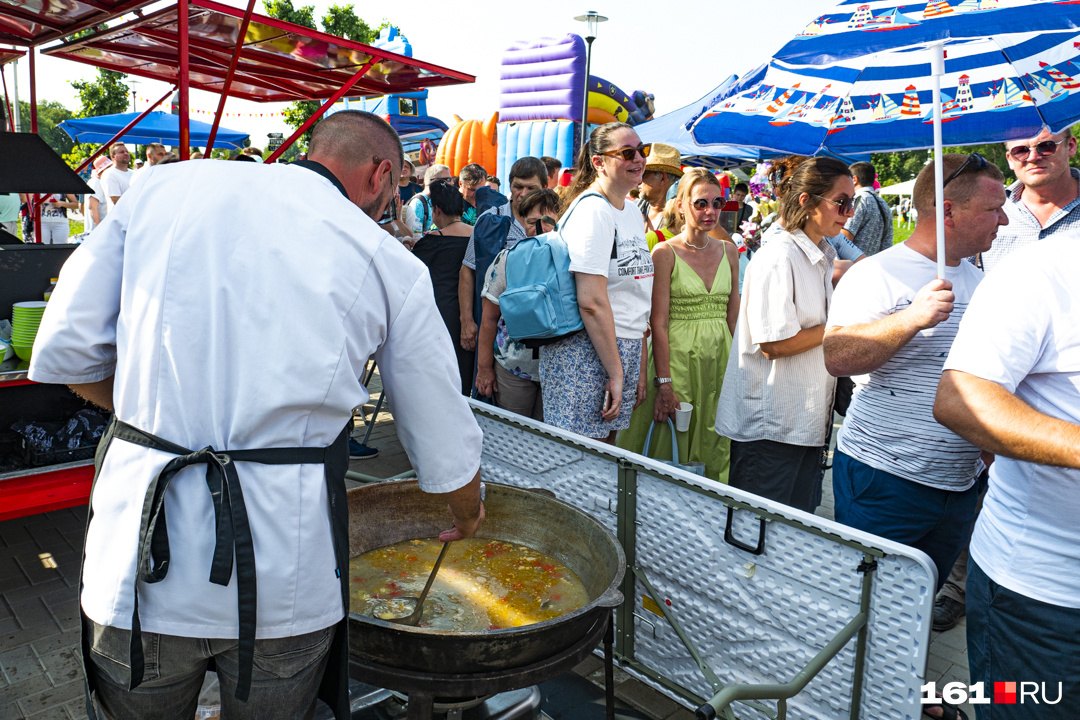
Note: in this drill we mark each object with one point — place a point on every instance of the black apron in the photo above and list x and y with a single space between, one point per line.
233 537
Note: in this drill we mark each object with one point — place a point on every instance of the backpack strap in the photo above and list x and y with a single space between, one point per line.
578 199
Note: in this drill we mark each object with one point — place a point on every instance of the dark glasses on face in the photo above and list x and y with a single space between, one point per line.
628 154
973 161
847 205
702 203
1046 147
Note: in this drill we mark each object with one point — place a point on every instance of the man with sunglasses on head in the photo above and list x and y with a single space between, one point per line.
1045 199
897 473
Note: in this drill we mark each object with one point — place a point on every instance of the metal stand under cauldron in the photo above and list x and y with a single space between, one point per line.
434 694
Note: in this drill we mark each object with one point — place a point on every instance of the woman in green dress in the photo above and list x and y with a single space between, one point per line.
693 317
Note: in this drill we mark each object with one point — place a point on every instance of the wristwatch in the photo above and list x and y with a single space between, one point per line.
658 381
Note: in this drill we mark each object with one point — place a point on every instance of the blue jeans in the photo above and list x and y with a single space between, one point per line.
938 522
1013 638
284 684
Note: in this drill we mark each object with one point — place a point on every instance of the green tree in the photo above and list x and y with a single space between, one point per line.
50 115
339 20
107 95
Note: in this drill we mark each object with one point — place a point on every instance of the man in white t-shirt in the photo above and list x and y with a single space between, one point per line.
116 180
1012 387
897 473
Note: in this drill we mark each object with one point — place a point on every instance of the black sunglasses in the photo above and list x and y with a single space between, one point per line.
1046 147
702 203
847 205
974 160
628 154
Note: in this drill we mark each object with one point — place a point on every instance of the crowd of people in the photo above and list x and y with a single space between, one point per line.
828 316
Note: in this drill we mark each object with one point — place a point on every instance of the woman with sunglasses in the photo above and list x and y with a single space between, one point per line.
693 317
777 399
505 368
591 380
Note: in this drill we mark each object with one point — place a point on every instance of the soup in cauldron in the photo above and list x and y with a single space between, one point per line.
483 584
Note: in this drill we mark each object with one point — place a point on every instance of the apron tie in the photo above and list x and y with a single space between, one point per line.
232 533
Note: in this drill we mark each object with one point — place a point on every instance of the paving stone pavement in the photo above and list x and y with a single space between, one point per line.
41 675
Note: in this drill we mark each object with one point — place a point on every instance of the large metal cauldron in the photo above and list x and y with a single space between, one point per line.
390 512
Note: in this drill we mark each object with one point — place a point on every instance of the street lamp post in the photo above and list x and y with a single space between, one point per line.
593 19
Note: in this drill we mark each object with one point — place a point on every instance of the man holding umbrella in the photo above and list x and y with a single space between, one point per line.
890 327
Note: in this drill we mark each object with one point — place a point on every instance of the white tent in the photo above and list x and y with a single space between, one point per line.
904 188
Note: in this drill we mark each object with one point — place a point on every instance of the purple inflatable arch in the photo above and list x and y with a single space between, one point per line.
543 80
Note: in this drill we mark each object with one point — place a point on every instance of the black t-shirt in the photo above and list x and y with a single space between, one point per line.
406 192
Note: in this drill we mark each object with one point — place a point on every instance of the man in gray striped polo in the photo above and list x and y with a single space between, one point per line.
897 472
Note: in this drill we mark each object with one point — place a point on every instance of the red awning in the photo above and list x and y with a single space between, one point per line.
41 21
280 61
7 55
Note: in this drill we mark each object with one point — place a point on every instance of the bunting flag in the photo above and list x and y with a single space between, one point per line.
194 111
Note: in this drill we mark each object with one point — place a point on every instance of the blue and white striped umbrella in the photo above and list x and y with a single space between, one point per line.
1000 88
863 78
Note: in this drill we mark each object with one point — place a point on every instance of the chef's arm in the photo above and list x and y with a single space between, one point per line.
100 393
467 510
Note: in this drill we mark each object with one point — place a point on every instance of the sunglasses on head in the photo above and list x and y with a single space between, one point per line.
847 205
973 161
702 203
628 154
1046 147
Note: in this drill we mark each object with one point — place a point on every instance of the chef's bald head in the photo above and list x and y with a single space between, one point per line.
353 138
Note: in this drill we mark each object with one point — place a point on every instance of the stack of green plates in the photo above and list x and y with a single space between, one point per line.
25 318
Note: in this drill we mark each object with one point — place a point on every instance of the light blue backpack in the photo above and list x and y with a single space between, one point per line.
539 305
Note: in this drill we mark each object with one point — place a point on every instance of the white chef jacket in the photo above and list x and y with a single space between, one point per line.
237 308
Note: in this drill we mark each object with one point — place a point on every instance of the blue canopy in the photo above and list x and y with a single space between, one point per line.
673 129
159 127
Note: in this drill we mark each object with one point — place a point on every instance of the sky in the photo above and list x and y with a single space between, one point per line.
676 52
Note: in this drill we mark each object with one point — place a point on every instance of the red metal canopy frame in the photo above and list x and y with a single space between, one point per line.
278 61
30 24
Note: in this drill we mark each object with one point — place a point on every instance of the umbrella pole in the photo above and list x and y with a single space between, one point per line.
938 69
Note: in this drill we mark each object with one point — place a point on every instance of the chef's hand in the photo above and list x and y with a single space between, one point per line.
467 510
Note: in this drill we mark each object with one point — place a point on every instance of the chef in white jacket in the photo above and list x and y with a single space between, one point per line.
226 323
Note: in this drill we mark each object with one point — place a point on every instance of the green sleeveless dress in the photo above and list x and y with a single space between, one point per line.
700 344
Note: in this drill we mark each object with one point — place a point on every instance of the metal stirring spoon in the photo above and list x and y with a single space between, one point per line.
413 618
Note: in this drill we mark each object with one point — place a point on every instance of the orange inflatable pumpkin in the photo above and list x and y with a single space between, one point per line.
469 141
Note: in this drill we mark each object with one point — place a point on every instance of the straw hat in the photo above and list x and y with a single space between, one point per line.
101 162
664 158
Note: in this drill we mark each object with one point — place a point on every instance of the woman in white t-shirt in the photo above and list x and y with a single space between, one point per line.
55 226
610 259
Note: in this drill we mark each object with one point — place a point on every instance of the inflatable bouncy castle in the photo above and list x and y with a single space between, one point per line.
542 87
469 141
406 112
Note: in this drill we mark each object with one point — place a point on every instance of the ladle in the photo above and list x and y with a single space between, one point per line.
413 618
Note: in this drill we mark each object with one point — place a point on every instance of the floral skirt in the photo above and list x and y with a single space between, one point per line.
572 380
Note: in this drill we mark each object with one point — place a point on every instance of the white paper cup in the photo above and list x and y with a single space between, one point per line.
682 416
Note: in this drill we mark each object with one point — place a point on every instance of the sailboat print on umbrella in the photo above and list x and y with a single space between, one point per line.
802 110
814 28
864 19
776 107
1051 90
884 109
843 114
1009 96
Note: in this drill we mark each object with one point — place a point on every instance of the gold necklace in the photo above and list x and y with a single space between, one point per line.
708 239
